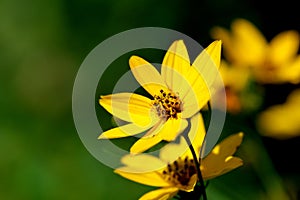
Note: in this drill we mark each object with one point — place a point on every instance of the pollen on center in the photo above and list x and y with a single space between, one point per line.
167 104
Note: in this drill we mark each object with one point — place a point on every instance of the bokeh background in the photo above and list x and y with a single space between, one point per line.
42 45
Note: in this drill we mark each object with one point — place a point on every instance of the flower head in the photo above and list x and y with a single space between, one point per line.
242 93
175 169
178 92
271 62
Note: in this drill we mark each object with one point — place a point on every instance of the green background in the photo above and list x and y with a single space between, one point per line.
42 45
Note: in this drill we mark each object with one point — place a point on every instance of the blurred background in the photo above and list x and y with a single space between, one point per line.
42 45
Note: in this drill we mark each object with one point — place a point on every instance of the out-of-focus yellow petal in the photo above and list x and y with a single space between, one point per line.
150 178
245 45
290 72
234 77
147 75
220 159
160 194
224 35
249 43
175 63
283 47
142 163
281 121
129 107
122 131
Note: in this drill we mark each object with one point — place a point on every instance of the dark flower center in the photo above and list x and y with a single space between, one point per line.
167 105
180 171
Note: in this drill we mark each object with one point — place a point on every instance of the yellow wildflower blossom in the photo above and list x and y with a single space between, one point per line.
276 61
235 80
281 121
175 169
242 94
178 93
234 77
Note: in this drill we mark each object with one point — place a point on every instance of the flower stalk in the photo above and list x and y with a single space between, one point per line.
197 165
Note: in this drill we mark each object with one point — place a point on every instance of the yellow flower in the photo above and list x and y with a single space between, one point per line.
178 93
242 94
235 80
281 121
234 77
175 170
271 62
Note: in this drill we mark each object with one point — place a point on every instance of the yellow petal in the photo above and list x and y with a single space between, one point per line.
286 116
172 128
220 160
234 76
284 47
150 178
244 45
222 34
208 62
212 53
122 131
175 63
160 194
229 145
230 164
144 144
147 75
200 77
196 96
291 71
249 43
142 163
129 107
168 132
155 129
197 132
172 151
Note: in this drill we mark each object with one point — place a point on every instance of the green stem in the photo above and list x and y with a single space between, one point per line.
197 165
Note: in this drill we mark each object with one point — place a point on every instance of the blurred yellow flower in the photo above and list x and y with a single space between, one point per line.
276 61
175 169
235 80
234 77
178 93
242 94
281 121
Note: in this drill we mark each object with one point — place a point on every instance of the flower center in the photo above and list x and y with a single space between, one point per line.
180 171
167 104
